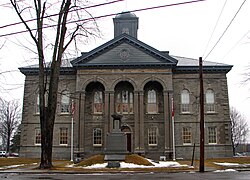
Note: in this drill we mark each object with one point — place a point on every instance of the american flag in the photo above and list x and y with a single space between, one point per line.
172 108
73 107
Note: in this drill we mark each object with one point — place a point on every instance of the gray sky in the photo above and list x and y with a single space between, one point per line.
183 30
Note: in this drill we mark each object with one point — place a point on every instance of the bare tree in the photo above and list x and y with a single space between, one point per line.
10 116
239 128
68 26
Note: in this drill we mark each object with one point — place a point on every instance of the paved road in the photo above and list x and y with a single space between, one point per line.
130 176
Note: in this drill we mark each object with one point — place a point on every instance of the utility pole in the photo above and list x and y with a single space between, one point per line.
201 117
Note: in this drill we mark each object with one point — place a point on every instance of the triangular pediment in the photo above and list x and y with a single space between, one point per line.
124 50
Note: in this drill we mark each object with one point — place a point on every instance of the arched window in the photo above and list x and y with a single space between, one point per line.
65 102
152 102
37 104
185 101
210 101
124 102
37 100
98 102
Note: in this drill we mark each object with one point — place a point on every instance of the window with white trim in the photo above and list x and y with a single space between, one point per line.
37 136
65 102
63 136
152 136
185 101
152 102
97 137
186 135
98 102
212 135
210 107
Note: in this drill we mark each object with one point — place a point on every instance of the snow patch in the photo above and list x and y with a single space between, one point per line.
227 164
226 170
131 165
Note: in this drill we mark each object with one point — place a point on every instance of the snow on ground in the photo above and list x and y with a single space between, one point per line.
15 166
227 164
130 165
232 164
226 170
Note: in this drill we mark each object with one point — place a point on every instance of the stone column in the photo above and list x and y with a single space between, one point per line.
77 120
106 116
141 115
167 135
81 119
136 127
111 109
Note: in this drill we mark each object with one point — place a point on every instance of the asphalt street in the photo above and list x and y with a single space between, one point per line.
127 176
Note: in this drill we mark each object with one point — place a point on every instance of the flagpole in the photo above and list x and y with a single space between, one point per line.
173 129
72 133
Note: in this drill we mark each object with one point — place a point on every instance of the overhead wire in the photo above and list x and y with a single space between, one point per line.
216 24
242 37
52 15
107 15
225 30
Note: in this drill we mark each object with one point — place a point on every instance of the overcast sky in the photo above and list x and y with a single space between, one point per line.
184 30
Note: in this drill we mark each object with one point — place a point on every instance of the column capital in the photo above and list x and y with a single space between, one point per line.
107 92
81 92
168 91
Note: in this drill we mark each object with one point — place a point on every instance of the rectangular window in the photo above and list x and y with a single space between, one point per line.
37 136
212 135
152 136
63 136
97 137
186 135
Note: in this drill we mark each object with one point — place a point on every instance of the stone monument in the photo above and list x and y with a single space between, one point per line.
116 147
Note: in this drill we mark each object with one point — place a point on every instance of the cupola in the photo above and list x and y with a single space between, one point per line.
125 22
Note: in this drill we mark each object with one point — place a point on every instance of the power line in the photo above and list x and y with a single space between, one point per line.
96 5
107 15
225 29
216 24
236 43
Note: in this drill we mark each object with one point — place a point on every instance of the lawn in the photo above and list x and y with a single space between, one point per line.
16 161
135 159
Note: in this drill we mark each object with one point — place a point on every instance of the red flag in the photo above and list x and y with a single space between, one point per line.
73 107
172 108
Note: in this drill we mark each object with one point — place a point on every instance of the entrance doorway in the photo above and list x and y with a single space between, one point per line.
127 131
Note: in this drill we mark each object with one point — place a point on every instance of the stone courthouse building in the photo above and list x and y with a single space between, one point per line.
128 77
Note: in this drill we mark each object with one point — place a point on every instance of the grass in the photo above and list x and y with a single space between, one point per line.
211 162
61 165
17 161
99 159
